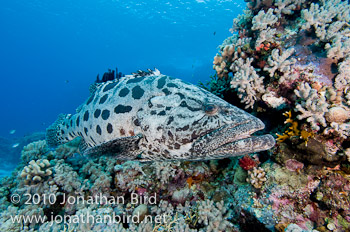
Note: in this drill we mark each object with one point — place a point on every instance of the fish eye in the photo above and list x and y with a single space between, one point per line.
211 109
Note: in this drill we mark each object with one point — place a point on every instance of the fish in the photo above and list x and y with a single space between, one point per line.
12 132
15 145
149 116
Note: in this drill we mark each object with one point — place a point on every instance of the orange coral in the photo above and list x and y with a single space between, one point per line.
293 130
194 180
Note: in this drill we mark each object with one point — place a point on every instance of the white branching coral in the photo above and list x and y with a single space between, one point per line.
313 106
287 6
341 129
339 47
267 35
213 215
330 20
342 80
165 170
257 177
241 20
262 20
231 50
247 81
280 62
36 171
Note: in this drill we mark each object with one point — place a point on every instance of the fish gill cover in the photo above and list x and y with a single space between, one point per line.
288 63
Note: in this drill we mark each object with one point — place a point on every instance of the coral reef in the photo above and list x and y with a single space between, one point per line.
288 63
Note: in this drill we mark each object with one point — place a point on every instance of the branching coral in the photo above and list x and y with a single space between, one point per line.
36 171
65 177
313 106
280 62
257 177
262 20
247 81
34 150
287 6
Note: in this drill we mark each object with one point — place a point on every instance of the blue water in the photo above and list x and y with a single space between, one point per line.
51 51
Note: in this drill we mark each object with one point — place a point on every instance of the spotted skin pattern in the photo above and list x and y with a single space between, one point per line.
156 117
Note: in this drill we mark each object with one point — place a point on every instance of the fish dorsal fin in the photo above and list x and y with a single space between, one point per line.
93 87
124 148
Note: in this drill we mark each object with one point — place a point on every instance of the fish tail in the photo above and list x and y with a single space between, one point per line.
56 134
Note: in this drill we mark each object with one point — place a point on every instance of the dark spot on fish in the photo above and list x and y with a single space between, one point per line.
170 134
172 85
161 112
177 146
194 135
171 118
161 82
137 122
153 112
135 80
184 104
86 116
119 109
159 128
85 130
168 108
97 113
103 99
90 99
205 123
124 92
185 128
62 132
98 130
184 141
181 95
131 133
105 114
137 92
109 86
166 91
150 105
109 128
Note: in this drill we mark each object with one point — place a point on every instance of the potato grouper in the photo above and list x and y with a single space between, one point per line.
156 117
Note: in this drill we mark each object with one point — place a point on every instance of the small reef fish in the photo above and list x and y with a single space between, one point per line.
12 132
149 116
15 145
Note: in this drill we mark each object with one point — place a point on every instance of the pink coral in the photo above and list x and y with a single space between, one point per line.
294 165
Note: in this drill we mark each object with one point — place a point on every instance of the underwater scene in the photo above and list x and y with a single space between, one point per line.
204 115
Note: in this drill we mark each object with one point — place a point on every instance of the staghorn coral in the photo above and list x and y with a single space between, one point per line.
36 171
247 82
313 106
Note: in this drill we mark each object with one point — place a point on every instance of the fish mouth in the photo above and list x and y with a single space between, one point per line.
234 140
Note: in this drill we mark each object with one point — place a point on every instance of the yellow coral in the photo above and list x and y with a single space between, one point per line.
293 130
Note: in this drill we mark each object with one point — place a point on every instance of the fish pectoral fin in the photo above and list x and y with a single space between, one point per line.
126 147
